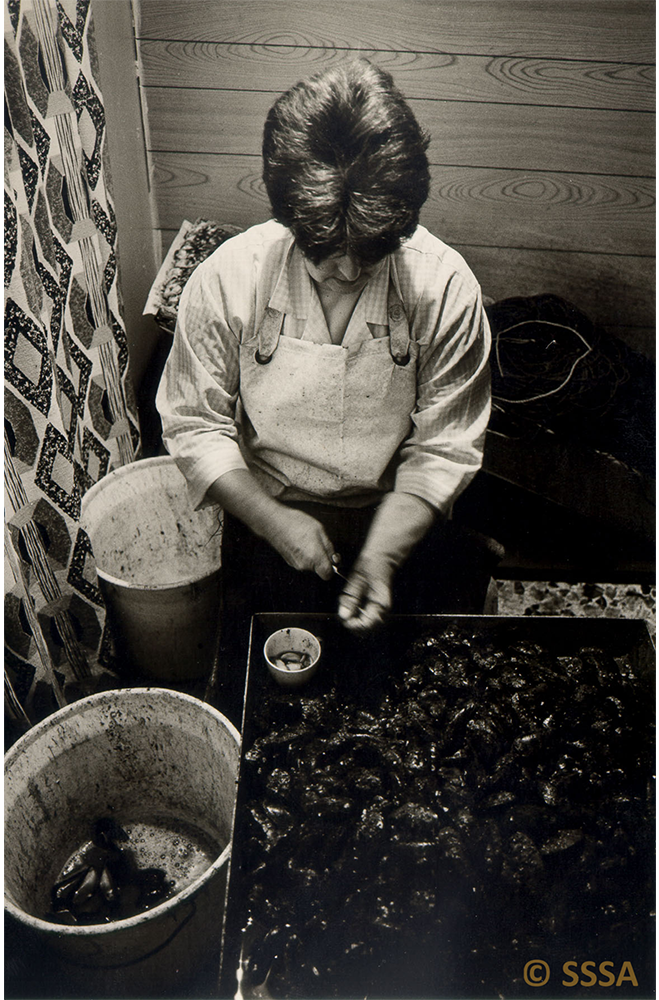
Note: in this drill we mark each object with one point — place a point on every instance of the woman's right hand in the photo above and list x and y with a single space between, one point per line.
301 541
298 537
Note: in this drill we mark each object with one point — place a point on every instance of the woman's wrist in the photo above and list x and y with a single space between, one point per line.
241 495
400 522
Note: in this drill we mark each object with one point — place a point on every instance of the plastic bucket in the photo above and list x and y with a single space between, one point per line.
141 755
158 566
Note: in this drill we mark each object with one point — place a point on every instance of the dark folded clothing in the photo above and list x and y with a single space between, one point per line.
553 368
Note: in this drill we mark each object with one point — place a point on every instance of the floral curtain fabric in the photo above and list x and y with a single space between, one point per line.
69 411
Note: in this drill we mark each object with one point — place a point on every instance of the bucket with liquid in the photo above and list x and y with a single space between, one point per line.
162 765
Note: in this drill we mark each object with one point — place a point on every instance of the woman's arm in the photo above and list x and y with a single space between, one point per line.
299 538
442 453
197 402
400 522
444 450
199 387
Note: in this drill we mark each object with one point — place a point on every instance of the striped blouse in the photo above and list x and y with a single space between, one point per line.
222 305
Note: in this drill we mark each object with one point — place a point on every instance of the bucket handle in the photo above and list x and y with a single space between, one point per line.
192 909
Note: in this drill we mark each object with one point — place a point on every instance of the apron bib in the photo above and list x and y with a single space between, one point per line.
319 420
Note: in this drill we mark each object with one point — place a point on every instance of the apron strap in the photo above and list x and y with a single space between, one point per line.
399 331
268 335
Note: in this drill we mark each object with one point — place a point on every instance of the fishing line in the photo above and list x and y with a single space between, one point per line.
550 392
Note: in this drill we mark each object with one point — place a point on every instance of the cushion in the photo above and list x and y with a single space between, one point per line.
193 243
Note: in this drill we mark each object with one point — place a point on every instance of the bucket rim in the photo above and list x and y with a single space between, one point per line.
122 472
21 746
90 701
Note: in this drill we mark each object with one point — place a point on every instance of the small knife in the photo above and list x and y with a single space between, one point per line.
338 572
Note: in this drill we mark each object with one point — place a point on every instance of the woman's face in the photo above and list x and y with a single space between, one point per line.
342 273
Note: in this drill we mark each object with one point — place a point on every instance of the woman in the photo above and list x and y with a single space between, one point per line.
328 383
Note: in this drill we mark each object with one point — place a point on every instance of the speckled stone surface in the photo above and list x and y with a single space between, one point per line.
586 600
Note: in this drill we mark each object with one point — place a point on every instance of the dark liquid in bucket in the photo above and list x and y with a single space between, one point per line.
145 864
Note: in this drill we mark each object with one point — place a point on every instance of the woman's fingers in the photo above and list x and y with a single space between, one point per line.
364 602
303 542
351 598
324 566
322 551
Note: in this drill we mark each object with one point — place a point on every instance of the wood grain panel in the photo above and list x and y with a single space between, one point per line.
506 208
640 338
418 74
542 210
230 188
463 134
617 292
618 30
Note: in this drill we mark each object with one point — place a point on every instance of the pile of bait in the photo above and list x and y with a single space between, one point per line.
292 660
428 834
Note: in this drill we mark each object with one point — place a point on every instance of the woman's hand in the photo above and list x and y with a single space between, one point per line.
298 537
366 597
400 522
301 541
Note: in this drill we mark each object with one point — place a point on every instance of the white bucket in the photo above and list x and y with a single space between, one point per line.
141 755
158 566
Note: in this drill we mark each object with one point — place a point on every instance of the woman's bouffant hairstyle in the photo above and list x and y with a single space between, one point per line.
344 163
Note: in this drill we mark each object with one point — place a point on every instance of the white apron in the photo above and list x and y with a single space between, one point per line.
321 422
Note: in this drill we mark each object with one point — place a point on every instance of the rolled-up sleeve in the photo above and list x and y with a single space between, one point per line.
445 447
199 388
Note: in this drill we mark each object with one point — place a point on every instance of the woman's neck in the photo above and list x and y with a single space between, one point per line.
337 307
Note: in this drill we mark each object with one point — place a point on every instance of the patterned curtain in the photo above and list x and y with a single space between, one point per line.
69 411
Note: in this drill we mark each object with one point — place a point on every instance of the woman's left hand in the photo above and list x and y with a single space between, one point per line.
366 597
400 521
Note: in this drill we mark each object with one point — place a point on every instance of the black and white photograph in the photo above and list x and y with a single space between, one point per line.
330 604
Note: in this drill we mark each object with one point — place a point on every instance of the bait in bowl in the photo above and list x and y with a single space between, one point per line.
292 655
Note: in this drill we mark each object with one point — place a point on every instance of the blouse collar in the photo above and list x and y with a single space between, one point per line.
293 288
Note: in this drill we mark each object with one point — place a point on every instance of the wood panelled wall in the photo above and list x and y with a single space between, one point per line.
541 115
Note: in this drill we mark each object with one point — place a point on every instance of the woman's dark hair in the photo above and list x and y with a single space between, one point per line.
344 163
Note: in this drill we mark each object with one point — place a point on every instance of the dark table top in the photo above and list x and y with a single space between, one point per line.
444 802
